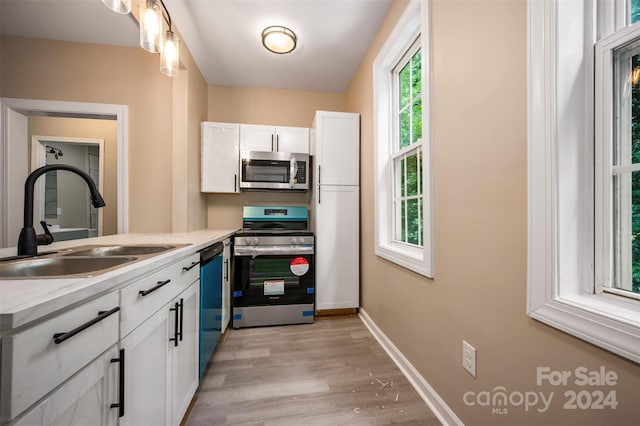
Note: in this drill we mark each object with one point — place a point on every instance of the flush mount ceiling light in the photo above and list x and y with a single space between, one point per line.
279 39
120 6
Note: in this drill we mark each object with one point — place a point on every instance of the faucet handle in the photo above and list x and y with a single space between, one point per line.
46 238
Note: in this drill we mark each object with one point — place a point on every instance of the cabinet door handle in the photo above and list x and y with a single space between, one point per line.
272 142
190 267
154 288
120 404
181 317
175 309
226 269
277 142
319 187
61 337
235 183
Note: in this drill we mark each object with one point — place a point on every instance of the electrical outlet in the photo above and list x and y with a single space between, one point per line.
469 358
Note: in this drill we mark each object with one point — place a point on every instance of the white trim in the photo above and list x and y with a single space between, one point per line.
560 277
81 109
439 407
413 22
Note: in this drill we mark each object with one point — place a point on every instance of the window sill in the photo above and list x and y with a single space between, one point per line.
604 320
412 258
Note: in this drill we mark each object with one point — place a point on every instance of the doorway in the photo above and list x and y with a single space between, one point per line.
60 197
15 162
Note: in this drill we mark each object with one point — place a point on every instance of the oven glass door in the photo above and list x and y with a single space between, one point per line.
265 171
273 280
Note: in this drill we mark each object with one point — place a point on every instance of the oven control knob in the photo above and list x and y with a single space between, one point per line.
254 241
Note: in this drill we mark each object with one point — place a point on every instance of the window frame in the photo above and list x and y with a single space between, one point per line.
607 102
413 24
561 217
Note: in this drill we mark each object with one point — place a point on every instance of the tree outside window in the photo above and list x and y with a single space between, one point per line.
407 158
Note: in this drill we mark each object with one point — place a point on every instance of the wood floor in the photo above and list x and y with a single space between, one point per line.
331 372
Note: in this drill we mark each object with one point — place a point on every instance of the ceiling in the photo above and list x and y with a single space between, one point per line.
224 36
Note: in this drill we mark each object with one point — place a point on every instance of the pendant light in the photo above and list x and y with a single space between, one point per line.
169 55
151 30
120 6
150 26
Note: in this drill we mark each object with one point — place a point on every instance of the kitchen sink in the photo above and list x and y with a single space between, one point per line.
81 261
128 250
56 267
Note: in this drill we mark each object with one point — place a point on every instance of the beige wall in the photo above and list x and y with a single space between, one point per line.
66 71
94 129
198 107
252 105
480 221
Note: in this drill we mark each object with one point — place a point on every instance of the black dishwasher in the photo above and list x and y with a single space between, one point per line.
210 301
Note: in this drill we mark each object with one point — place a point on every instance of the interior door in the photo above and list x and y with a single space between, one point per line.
17 150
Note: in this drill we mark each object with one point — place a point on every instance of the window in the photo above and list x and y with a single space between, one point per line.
584 180
618 163
401 120
407 153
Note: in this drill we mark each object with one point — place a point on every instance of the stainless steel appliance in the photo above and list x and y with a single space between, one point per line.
274 170
274 271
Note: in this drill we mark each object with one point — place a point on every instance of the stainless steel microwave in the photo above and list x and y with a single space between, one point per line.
274 170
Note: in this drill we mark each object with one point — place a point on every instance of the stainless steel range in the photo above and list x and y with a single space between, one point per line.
274 272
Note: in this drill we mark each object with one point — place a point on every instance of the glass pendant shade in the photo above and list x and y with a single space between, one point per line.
169 57
279 39
150 26
120 6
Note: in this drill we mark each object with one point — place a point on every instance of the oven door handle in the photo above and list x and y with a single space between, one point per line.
269 251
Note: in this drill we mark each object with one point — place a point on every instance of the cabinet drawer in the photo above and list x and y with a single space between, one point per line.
33 363
143 298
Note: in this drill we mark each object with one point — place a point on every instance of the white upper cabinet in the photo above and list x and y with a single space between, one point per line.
336 147
220 157
274 139
292 139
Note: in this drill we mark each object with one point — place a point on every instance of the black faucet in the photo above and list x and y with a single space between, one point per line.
28 240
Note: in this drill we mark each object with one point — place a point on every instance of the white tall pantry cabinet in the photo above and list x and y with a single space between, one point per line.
335 146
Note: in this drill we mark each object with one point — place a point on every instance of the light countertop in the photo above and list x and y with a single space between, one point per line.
25 300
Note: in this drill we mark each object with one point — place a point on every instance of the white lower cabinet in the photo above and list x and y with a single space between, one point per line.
38 359
226 285
185 355
337 248
128 357
161 363
147 378
85 399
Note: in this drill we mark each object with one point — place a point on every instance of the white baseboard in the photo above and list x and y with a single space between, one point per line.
424 389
